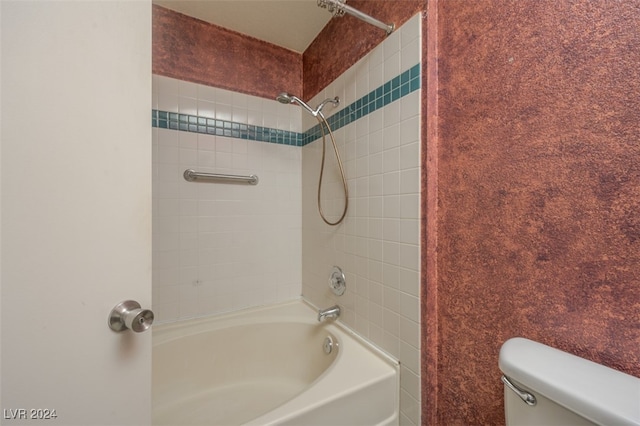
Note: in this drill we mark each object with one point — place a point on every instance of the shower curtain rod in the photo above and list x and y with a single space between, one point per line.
339 8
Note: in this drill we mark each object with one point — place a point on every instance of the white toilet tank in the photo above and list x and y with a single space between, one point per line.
568 390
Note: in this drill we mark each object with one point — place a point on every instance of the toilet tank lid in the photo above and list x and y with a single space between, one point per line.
598 393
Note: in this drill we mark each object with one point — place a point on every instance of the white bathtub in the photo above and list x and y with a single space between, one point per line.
267 366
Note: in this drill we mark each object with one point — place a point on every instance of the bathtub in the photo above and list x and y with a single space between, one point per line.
268 366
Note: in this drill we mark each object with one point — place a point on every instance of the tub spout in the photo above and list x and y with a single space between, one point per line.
332 312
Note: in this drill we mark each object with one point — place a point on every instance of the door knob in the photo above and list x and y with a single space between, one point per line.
129 314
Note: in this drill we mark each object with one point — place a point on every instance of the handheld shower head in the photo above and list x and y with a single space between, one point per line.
287 98
284 98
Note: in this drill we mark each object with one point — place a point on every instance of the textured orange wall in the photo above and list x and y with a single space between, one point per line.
343 41
192 50
538 190
429 342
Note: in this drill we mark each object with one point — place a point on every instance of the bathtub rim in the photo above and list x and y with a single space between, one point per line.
166 332
300 311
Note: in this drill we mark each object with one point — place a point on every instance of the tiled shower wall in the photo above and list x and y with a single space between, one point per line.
220 247
378 245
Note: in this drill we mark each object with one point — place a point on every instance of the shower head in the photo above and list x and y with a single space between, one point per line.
284 98
287 98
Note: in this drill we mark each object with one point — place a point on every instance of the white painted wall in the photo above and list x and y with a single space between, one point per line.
76 208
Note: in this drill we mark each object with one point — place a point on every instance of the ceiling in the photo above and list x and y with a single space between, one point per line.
292 24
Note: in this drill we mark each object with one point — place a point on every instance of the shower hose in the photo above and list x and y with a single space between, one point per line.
322 120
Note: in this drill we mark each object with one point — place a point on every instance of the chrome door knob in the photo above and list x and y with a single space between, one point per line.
130 315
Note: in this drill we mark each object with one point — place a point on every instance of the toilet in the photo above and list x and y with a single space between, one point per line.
546 386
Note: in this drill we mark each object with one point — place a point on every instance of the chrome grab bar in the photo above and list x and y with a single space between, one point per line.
193 176
528 398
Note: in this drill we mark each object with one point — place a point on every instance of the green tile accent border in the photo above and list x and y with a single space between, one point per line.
211 126
391 91
402 85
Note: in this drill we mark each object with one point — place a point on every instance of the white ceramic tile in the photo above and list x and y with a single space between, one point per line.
387 238
410 231
391 229
167 85
391 184
239 114
410 31
391 45
224 112
409 409
409 206
187 140
362 85
239 100
410 181
410 106
377 76
166 137
409 331
410 54
410 156
167 154
391 160
409 306
168 102
391 136
392 66
202 227
187 89
410 382
224 96
188 157
391 114
188 106
254 103
254 117
206 93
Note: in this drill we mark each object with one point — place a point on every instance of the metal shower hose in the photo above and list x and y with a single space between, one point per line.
344 180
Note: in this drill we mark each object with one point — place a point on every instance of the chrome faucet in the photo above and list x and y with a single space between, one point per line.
332 312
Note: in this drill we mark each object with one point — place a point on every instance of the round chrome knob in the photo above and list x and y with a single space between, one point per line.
327 346
337 281
130 315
